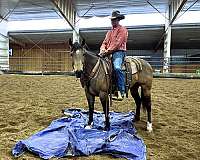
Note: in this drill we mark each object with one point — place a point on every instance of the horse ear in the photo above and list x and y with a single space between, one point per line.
83 43
70 42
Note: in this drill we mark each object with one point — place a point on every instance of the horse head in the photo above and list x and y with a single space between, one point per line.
77 53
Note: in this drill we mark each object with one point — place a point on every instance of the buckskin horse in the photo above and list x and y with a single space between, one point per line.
95 79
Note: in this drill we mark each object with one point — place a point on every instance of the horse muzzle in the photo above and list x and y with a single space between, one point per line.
78 74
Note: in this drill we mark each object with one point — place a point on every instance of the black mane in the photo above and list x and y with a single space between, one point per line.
76 46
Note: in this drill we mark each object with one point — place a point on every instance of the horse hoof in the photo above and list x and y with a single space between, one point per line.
136 119
106 129
149 127
88 127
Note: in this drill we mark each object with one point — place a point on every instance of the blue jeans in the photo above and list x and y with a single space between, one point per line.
117 60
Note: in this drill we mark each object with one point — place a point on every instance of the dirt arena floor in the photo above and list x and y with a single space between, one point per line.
28 104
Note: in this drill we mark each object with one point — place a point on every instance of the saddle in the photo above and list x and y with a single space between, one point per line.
131 66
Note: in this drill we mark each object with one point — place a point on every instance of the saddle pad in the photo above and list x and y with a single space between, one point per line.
135 64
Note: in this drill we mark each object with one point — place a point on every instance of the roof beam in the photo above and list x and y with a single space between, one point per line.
67 10
175 7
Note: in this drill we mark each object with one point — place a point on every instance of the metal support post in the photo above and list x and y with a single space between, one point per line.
167 44
174 9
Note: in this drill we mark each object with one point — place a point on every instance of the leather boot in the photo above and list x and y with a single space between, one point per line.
119 96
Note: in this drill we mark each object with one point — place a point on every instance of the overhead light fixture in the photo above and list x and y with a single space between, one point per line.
194 39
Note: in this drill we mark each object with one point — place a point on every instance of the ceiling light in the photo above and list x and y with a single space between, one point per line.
194 39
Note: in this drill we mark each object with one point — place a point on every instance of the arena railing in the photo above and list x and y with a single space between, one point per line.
45 64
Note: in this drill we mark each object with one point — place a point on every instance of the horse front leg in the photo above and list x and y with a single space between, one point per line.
105 103
90 100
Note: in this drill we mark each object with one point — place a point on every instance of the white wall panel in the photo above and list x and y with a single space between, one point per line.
4 46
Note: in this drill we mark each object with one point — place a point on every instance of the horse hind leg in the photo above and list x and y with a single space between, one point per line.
105 103
146 103
137 99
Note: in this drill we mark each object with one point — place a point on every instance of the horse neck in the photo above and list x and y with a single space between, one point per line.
89 62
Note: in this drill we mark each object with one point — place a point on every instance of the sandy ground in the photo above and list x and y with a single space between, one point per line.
28 104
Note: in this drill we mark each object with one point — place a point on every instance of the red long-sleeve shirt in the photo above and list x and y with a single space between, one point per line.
115 39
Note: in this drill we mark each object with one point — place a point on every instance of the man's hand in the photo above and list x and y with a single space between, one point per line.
107 52
102 51
101 55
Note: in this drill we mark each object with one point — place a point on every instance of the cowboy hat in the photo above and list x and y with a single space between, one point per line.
117 15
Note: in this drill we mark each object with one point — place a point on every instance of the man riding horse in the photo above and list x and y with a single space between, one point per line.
94 73
115 44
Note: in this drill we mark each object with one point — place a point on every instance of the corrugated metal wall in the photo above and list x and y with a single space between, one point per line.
4 46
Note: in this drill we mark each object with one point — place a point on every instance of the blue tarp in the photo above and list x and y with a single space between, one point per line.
68 137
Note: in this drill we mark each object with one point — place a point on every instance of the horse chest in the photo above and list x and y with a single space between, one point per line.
96 86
